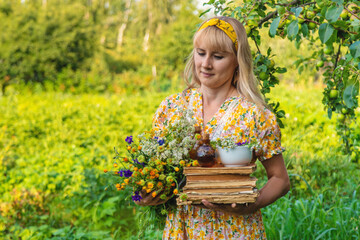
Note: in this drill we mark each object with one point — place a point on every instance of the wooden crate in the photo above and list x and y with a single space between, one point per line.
222 185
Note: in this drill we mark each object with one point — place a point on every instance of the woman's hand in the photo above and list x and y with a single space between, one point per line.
149 200
235 209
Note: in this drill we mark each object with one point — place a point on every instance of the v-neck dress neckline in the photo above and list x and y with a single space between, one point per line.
219 115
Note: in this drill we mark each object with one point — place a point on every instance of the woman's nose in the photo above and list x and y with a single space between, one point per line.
207 62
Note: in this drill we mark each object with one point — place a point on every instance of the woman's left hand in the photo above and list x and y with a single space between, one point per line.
235 209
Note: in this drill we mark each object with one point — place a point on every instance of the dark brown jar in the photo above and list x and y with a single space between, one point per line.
205 153
193 151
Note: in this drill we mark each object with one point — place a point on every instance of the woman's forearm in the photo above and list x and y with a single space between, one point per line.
274 189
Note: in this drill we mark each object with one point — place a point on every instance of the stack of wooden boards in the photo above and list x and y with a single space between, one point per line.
221 185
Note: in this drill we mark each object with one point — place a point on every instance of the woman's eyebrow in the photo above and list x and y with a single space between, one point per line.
214 52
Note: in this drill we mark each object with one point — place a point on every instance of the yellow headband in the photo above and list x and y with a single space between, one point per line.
224 26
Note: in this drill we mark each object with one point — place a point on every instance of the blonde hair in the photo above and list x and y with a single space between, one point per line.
244 79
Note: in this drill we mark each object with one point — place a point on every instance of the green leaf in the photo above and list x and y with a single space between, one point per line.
329 113
293 29
281 70
350 94
355 49
305 30
201 14
273 27
333 13
325 32
297 11
338 1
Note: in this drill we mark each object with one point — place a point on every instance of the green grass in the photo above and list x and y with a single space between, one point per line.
54 147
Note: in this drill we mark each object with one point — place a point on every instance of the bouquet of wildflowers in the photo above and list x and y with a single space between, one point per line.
155 160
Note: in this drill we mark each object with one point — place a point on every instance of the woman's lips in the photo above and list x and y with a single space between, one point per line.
206 74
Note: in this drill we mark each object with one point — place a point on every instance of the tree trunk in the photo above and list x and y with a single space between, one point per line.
123 25
148 30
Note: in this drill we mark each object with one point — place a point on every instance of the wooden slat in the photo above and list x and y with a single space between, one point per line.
193 193
219 170
217 177
209 185
219 190
240 199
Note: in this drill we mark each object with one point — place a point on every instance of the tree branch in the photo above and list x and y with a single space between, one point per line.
289 4
351 12
337 57
257 46
271 15
252 8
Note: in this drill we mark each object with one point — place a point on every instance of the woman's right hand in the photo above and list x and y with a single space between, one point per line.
149 200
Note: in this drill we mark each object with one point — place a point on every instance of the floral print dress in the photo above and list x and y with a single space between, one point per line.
238 118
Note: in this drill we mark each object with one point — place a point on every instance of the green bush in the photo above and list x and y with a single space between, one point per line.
38 43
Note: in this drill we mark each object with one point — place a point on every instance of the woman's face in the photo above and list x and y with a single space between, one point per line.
213 68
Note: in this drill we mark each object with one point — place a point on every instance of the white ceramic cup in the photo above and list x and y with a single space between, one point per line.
235 157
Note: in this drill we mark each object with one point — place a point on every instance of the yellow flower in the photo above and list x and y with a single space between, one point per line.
177 169
153 194
195 163
176 191
197 136
213 122
150 185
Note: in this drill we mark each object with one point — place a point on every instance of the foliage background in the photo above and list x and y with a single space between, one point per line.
73 87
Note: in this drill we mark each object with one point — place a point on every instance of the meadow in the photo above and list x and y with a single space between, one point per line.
54 147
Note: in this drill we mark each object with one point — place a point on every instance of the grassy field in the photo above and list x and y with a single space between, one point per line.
54 147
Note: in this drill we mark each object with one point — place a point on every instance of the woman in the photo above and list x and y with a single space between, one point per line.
224 95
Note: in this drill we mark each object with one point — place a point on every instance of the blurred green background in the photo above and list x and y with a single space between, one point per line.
78 76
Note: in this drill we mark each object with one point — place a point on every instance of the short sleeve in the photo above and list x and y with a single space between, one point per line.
160 116
268 135
168 111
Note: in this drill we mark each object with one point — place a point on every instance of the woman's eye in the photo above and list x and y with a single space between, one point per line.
218 57
201 54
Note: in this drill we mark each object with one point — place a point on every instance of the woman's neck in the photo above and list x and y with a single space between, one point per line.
213 99
217 96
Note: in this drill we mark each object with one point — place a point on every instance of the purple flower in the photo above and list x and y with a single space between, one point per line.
136 196
129 139
125 173
136 161
242 143
161 142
